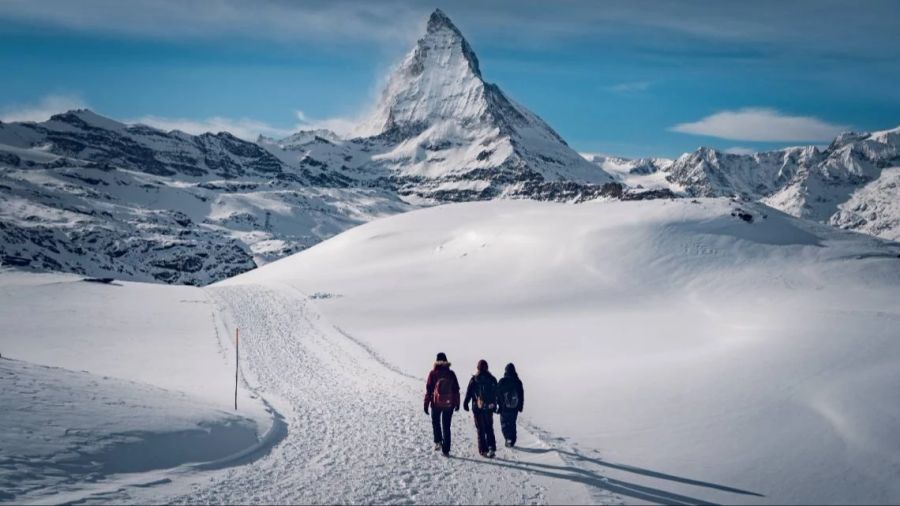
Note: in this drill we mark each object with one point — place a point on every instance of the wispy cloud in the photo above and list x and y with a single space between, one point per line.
248 128
762 125
43 109
244 128
339 125
630 87
738 150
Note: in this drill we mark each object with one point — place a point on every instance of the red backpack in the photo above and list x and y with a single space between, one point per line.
442 397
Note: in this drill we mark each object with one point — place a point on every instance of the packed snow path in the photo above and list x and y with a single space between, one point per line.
356 429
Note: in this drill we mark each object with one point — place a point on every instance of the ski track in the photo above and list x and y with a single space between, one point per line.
356 429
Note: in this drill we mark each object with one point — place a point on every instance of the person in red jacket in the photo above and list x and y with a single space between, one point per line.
442 396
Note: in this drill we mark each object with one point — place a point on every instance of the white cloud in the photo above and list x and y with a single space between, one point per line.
244 128
247 128
738 150
762 125
338 125
41 111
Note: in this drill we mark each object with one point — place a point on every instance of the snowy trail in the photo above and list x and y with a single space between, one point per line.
356 430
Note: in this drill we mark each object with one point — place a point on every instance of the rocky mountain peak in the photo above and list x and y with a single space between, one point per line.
438 80
442 34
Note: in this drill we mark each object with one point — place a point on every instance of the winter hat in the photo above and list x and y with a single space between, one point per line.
441 357
510 368
482 365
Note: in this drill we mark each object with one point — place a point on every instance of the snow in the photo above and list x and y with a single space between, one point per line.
668 336
689 351
673 352
874 208
100 381
74 427
453 122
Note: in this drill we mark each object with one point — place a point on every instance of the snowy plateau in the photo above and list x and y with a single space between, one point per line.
715 329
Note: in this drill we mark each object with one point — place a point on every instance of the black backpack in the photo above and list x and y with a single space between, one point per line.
509 395
485 393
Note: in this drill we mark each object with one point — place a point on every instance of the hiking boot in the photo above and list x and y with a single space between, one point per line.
483 454
491 454
508 443
446 454
437 447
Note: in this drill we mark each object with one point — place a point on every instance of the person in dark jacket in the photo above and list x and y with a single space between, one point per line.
482 393
442 396
510 402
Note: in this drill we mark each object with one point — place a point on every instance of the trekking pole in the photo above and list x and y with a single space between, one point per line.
237 344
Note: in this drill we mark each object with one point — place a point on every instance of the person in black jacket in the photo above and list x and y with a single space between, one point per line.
510 402
482 392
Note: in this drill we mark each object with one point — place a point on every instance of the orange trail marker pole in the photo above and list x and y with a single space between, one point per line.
237 344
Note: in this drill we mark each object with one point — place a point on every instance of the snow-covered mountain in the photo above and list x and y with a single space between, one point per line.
83 193
441 133
86 194
851 184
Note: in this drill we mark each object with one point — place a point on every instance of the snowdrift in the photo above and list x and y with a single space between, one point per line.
63 428
715 339
101 383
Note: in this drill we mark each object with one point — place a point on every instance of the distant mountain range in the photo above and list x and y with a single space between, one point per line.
83 193
854 183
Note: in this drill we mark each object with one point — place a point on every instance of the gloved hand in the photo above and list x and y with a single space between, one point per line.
466 406
426 408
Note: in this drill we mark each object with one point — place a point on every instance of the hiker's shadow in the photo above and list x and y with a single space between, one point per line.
606 484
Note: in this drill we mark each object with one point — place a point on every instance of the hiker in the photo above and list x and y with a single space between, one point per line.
442 396
482 392
510 401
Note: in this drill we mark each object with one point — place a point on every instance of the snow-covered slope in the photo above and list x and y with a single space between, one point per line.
102 383
693 348
874 208
62 428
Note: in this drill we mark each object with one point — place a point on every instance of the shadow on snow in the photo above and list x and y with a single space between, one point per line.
597 481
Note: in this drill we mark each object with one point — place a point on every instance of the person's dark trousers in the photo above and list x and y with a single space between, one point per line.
440 422
508 424
484 423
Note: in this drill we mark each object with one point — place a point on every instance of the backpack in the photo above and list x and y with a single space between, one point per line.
509 396
442 397
486 395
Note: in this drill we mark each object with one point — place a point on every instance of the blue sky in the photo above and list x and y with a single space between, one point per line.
629 78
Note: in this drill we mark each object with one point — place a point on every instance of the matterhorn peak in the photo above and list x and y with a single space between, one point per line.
442 28
446 121
439 80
